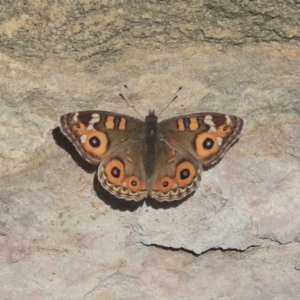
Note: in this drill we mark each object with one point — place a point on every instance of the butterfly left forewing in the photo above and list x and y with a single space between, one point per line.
95 133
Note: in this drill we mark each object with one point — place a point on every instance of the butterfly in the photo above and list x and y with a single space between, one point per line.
162 160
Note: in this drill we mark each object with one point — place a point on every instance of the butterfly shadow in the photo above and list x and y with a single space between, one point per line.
112 201
65 144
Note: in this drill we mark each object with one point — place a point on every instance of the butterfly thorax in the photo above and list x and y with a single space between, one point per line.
151 128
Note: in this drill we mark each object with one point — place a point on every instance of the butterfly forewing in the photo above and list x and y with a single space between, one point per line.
207 136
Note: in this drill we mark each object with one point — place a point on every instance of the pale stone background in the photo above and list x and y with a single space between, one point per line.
237 237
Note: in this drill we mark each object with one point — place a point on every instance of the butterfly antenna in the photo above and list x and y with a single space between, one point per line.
168 104
141 104
131 106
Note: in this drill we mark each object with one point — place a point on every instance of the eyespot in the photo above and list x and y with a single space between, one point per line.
94 142
79 128
224 130
185 173
206 144
115 172
165 184
134 184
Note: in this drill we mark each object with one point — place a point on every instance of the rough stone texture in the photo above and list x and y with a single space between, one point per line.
101 30
237 237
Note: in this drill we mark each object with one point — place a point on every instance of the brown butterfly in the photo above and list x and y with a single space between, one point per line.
163 160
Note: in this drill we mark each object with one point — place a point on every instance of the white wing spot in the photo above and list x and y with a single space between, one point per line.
228 120
208 121
94 120
75 117
219 140
83 138
90 127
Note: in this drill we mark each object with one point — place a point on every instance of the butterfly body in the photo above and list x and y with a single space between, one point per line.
163 160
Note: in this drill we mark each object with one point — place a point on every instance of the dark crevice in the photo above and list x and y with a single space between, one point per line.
275 241
199 254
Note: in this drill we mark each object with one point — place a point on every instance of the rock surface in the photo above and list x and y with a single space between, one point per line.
237 237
